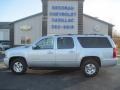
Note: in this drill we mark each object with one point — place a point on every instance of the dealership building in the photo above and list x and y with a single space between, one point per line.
58 17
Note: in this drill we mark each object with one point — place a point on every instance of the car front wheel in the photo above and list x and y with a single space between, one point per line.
18 66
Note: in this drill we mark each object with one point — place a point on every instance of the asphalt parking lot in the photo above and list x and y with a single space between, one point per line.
107 79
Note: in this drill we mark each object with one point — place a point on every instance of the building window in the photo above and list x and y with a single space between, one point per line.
25 40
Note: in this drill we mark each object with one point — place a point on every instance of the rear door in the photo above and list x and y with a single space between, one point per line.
65 52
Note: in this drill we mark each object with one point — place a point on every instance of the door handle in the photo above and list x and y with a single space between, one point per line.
50 52
71 51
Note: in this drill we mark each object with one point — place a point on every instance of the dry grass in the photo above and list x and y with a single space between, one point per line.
117 41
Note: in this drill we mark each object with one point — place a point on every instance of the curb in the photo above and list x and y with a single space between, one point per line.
4 69
2 66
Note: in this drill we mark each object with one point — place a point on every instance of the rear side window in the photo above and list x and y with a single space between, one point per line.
65 43
94 42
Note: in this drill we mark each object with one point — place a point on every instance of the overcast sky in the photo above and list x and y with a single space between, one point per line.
107 10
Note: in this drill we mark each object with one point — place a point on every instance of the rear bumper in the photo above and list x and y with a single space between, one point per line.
109 63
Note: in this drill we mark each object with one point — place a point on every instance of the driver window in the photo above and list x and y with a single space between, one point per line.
46 43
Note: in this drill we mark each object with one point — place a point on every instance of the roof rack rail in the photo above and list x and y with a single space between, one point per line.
80 34
66 34
94 34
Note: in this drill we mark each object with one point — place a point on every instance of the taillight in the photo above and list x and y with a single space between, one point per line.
115 52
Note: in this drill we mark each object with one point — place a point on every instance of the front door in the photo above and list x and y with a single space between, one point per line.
43 55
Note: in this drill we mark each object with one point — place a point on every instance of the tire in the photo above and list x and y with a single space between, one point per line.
18 66
90 68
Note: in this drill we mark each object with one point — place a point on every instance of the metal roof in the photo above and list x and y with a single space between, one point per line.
28 17
5 25
98 19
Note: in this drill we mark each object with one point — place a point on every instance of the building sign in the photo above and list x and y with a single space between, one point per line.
25 28
62 15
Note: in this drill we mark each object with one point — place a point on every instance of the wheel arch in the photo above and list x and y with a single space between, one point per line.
97 59
16 57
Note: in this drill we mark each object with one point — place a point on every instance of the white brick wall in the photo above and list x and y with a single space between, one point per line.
36 29
92 26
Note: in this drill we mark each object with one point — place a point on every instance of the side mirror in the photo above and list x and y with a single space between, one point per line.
34 47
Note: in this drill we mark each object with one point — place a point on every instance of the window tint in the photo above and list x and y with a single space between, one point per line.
46 43
65 43
94 42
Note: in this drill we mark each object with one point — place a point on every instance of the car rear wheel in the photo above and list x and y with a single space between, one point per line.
18 66
90 68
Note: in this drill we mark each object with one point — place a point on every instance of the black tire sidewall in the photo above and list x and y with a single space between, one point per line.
22 62
90 62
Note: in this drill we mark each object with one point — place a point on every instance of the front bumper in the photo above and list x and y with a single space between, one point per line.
6 62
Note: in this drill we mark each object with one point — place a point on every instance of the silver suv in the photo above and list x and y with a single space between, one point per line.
85 52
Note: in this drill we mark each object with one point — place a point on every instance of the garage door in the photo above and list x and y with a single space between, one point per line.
4 34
